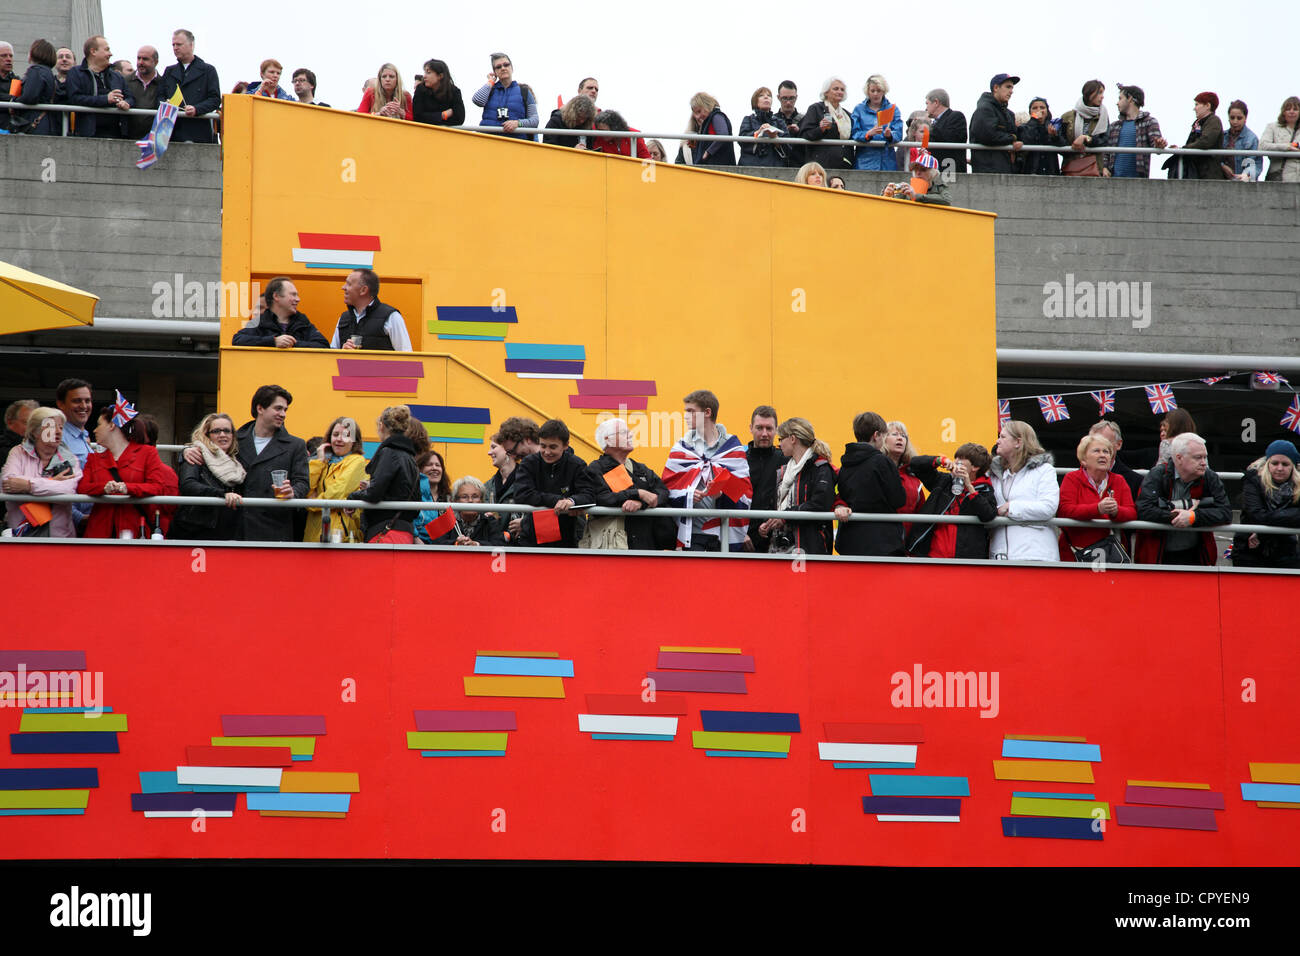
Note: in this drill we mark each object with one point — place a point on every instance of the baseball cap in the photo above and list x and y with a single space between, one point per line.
1001 78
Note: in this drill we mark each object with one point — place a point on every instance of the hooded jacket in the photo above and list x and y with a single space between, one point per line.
865 116
393 477
970 541
1031 494
1274 550
992 124
814 490
868 483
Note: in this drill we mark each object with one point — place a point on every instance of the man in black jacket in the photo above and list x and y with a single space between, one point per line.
281 325
647 489
1183 492
553 478
946 126
765 460
95 83
992 124
15 425
199 86
869 484
787 97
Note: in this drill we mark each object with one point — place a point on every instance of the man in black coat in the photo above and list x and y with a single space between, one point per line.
265 446
868 484
553 478
647 489
199 87
787 97
765 460
281 325
946 126
992 124
96 84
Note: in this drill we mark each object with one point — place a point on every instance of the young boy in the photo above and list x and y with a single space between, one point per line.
553 477
969 468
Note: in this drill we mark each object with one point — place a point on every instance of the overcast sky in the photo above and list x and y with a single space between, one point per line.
651 57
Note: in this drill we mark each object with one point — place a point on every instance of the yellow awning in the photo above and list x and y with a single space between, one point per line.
29 302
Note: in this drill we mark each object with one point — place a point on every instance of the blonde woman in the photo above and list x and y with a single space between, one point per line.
335 472
811 174
1270 494
387 97
220 476
805 483
1024 485
827 119
707 118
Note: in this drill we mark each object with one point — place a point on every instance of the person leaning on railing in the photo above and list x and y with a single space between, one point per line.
1239 136
1284 135
437 101
827 119
1183 492
1206 133
128 465
220 475
393 477
806 482
707 118
646 490
1086 126
1094 493
39 88
41 465
1270 494
965 490
868 483
1041 130
1024 483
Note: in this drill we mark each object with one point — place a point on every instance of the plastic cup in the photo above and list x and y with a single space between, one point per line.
356 341
278 477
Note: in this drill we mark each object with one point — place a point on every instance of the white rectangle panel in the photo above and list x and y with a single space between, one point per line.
620 724
867 753
343 257
171 814
229 776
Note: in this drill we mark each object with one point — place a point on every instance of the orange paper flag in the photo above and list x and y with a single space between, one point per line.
546 526
618 479
885 117
920 186
36 513
15 87
925 138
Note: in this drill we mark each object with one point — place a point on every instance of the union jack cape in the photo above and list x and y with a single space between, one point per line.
686 469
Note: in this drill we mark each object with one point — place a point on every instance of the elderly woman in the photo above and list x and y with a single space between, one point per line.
806 482
1206 133
898 446
435 486
128 465
335 471
876 120
1282 136
621 482
1024 485
437 101
269 85
707 118
386 97
220 476
1093 494
578 113
473 528
764 129
41 466
1087 125
1270 494
827 119
1239 136
811 174
393 477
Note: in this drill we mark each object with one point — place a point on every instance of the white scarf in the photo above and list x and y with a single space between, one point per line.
1096 115
225 469
842 119
785 493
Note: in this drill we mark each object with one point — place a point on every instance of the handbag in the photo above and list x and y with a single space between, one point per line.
1109 548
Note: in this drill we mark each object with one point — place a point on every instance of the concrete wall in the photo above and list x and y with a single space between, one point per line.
62 22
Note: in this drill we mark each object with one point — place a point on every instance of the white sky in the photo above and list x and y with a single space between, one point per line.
650 57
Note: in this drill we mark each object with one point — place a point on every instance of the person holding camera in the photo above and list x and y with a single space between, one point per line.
765 128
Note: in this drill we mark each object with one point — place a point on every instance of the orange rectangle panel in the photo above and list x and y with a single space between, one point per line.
476 686
1275 773
311 781
517 653
1056 740
1055 771
1169 783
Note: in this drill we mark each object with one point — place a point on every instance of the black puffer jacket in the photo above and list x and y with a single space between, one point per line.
869 484
814 490
268 327
393 477
1274 550
195 481
992 124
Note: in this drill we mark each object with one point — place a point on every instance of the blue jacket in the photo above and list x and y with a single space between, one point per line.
200 89
279 94
82 91
39 89
514 99
873 157
1247 140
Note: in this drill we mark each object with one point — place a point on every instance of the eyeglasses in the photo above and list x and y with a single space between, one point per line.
500 66
784 99
221 431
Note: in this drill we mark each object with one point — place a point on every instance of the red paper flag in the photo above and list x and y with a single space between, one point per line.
546 526
725 483
440 525
618 479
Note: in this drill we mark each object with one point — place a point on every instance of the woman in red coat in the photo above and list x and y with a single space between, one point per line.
1093 494
128 465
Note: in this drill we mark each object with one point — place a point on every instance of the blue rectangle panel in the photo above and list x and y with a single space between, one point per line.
451 414
905 785
1272 792
523 666
912 806
326 802
741 721
533 350
49 778
161 781
66 710
70 742
1051 750
1059 828
42 812
477 313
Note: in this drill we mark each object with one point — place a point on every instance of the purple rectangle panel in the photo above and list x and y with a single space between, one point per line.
704 682
272 725
616 386
43 660
1175 797
1173 818
630 402
688 661
370 383
183 801
381 368
439 720
548 366
918 806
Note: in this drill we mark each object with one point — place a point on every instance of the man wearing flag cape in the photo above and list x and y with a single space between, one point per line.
708 468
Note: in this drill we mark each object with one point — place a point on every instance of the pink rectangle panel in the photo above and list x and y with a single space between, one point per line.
370 383
616 386
743 663
630 402
381 367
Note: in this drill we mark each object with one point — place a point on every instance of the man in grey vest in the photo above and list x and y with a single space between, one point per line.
368 323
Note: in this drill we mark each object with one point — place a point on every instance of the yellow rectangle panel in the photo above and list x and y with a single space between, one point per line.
298 746
455 740
699 650
44 799
68 723
1056 740
1046 807
1169 783
753 743
1275 773
1055 771
311 781
492 686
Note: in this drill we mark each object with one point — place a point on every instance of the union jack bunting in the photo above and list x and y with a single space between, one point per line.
1161 398
1053 407
1004 412
1291 419
1215 378
123 411
1105 401
684 471
1269 379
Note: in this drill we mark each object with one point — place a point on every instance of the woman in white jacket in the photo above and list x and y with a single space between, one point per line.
1024 483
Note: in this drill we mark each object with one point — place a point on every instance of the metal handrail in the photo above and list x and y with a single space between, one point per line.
67 108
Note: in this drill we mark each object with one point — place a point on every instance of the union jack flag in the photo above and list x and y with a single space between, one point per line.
1004 412
1215 378
123 411
1053 407
1161 398
1268 380
686 469
1291 419
1105 401
155 144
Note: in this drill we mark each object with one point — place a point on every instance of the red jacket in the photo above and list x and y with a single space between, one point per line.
368 102
622 147
1079 500
144 474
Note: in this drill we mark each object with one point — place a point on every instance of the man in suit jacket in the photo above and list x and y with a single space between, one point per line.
199 86
95 83
946 126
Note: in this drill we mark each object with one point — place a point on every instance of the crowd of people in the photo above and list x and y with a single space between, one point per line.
785 468
870 131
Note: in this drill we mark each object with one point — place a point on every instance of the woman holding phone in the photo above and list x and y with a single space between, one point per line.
335 472
41 466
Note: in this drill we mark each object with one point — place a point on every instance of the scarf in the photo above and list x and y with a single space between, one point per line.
1280 497
842 120
1096 115
225 469
785 493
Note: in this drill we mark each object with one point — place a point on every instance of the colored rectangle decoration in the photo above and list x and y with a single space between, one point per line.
1040 807
310 781
298 746
626 724
48 799
445 720
42 660
907 785
365 383
702 682
523 666
458 414
486 331
338 240
743 663
42 812
546 366
1059 740
859 733
632 403
922 806
48 778
274 725
187 814
477 313
207 756
555 375
749 721
183 801
479 686
229 776
161 781
335 257
617 386
1168 818
664 705
700 650
1174 797
633 737
462 753
759 743
1053 796
537 350
913 818
454 430
379 368
319 814
27 698
742 753
67 710
551 654
330 802
63 743
205 788
1058 828
1169 783
1273 805
1052 771
1274 772
1051 750
869 753
879 765
454 740
1279 792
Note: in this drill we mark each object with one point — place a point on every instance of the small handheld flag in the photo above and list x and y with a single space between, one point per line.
123 411
440 525
1291 418
618 479
546 526
1004 412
